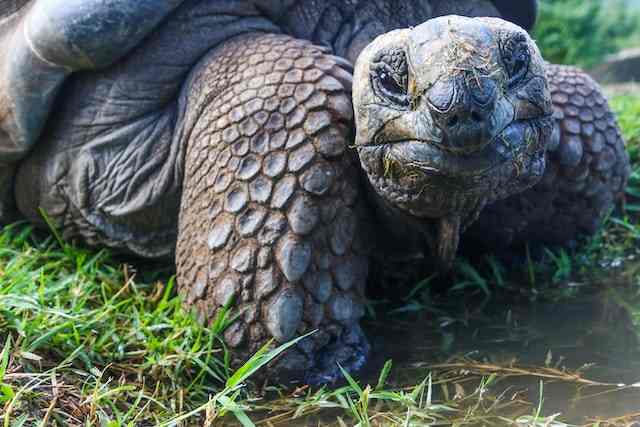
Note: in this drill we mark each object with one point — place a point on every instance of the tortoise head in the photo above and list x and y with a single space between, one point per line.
451 115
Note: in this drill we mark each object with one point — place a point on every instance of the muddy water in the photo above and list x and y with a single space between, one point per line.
597 331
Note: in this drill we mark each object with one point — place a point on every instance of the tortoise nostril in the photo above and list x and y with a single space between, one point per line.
466 128
476 117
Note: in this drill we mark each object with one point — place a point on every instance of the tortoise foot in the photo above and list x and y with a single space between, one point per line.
350 352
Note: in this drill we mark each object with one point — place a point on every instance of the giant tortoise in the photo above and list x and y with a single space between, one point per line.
237 138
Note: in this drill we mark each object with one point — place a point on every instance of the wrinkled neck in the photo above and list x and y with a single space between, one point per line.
404 236
397 234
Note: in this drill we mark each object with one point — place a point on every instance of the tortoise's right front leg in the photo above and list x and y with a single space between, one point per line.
271 213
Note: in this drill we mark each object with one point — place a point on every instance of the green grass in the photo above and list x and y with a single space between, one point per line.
87 344
584 32
85 340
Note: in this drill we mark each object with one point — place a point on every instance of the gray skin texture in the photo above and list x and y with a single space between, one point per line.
236 138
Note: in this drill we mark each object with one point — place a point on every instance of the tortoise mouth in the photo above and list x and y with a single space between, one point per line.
436 161
427 180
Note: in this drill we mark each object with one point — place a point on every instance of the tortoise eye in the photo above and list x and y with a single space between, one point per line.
516 58
389 76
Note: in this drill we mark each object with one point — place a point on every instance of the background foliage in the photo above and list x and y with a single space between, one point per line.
583 32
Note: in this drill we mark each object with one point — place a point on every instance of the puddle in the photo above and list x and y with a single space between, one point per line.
597 333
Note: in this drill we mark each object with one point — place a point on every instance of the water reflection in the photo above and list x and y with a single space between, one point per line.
597 334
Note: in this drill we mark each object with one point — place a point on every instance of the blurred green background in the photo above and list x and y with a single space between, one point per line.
584 32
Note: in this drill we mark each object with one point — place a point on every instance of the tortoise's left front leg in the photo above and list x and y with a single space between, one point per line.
271 211
587 171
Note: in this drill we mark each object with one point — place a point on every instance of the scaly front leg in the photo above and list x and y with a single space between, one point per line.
271 212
